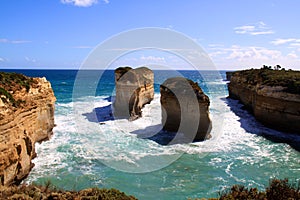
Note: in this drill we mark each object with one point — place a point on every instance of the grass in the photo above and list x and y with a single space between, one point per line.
288 79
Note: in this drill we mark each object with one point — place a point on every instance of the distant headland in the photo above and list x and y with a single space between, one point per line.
273 95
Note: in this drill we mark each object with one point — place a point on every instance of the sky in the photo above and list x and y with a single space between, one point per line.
61 34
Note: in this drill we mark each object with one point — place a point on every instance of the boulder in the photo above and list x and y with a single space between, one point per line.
185 108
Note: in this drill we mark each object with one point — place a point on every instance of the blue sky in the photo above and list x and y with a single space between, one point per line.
235 34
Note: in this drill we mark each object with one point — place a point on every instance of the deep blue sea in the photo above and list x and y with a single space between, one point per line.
89 148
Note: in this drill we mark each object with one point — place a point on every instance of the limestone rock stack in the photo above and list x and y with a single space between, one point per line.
185 108
134 89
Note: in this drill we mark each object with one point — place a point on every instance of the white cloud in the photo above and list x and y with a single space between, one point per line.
29 59
239 57
259 28
4 40
153 59
292 55
2 59
291 41
83 3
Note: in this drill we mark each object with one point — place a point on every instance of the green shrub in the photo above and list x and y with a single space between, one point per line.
8 96
290 79
282 189
241 192
277 190
48 191
11 79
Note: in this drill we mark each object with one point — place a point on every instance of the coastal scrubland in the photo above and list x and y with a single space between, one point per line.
288 79
276 190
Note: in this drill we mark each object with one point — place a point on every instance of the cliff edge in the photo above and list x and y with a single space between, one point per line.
26 117
272 95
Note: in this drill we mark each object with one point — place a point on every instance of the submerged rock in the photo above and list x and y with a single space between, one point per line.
26 117
272 95
134 89
185 108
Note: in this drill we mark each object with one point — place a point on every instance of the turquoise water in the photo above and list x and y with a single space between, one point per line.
127 155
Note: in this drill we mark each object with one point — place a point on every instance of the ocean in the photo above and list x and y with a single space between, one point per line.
129 156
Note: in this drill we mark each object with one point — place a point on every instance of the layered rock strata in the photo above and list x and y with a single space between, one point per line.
185 108
26 117
271 95
134 89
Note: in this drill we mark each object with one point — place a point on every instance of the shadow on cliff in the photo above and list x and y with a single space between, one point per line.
251 125
156 134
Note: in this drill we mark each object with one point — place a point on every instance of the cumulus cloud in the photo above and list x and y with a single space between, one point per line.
240 53
82 3
238 57
259 28
4 40
292 55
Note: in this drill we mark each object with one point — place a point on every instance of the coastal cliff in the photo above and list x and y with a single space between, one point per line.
26 117
272 95
185 108
134 89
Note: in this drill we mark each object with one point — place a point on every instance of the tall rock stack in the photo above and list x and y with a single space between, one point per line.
185 108
134 89
26 117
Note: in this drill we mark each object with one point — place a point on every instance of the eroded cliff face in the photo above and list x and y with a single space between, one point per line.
134 89
271 105
185 108
26 118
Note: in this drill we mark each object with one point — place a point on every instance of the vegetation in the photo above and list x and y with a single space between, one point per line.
277 190
13 81
288 79
47 192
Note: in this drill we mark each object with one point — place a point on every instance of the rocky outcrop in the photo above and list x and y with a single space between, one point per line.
26 117
185 108
228 75
269 96
134 89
